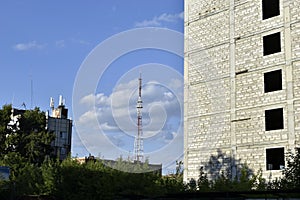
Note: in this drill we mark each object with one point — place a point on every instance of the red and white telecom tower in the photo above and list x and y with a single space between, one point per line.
138 142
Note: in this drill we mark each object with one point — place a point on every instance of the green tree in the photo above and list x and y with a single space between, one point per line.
245 181
4 132
84 181
291 174
222 183
49 173
28 137
29 180
261 183
24 145
192 185
203 182
35 140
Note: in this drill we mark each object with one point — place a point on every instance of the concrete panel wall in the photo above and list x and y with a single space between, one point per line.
225 101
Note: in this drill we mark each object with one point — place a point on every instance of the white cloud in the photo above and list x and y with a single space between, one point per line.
158 20
28 46
60 43
115 116
80 41
168 95
87 117
66 42
92 100
118 111
105 126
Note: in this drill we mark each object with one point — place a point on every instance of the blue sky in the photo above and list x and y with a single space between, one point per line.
47 42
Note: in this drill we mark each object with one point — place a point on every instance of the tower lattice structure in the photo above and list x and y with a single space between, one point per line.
138 143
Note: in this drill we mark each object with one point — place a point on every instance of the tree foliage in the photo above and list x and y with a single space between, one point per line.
4 132
28 138
26 151
96 180
246 180
291 174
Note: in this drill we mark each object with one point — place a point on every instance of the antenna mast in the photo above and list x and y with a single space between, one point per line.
31 92
138 143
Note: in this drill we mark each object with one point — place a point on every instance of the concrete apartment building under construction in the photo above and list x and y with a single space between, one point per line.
242 85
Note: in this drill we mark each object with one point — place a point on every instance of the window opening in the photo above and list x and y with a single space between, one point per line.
275 158
274 119
270 8
273 81
271 43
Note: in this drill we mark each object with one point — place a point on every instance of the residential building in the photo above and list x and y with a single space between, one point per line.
59 123
242 85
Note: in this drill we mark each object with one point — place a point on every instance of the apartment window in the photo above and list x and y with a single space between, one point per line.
273 81
270 8
275 158
63 150
271 43
274 119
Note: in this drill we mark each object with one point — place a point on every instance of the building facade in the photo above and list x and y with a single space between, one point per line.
242 85
59 123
